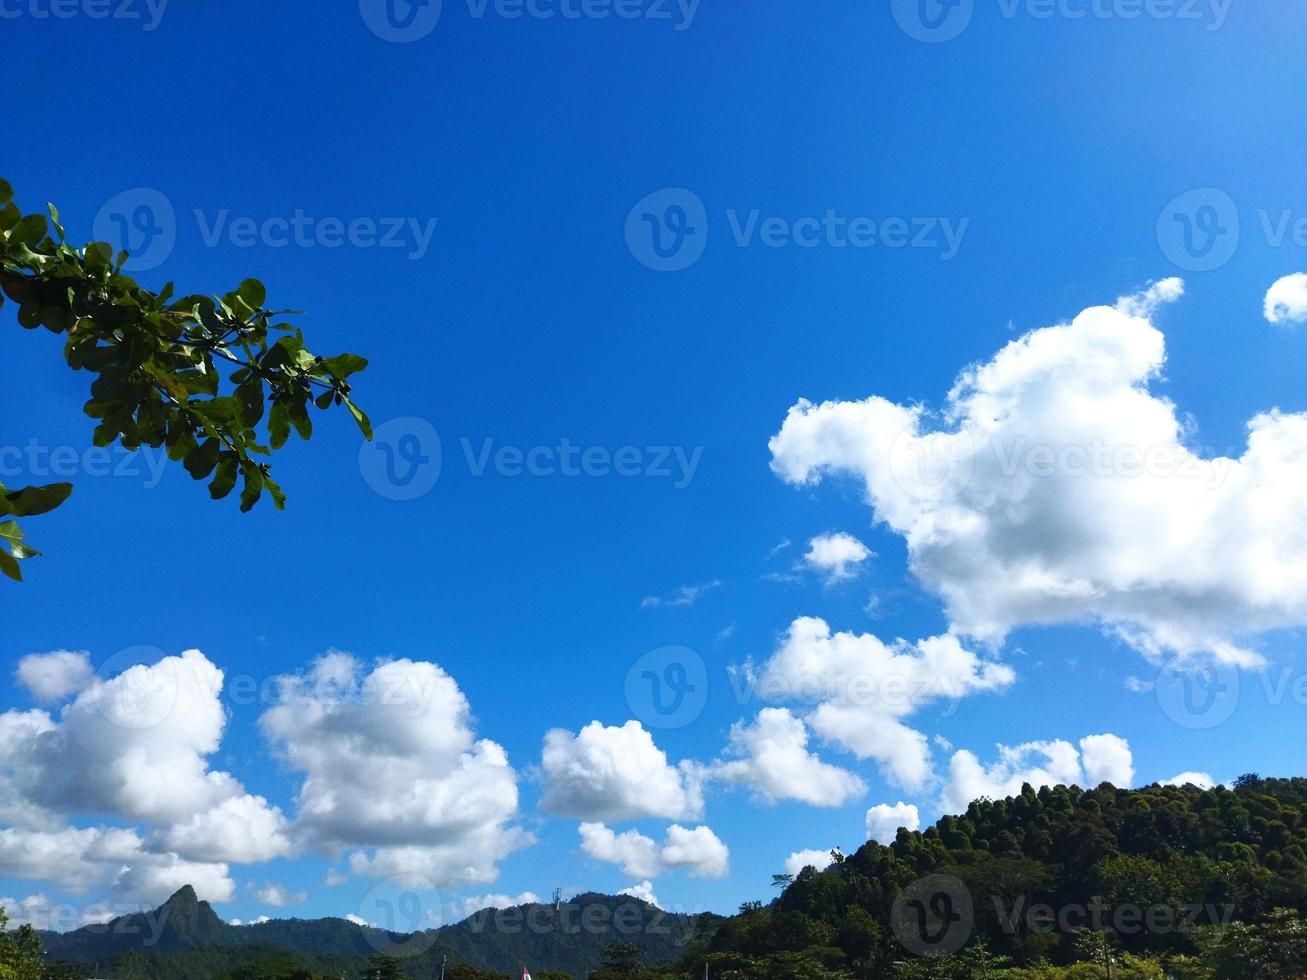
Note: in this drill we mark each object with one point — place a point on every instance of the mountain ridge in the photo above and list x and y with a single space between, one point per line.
570 937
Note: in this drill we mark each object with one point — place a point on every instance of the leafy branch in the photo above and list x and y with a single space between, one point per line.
201 376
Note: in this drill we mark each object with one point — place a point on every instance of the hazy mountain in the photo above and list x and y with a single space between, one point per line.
185 938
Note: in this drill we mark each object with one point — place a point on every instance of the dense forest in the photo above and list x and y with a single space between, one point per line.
1053 884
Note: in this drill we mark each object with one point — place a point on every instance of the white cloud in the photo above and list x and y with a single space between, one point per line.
685 595
774 761
55 676
610 773
643 891
1286 300
862 689
358 920
277 895
475 903
836 556
636 854
884 821
698 850
796 862
1055 763
1107 759
243 829
1058 488
133 748
43 914
154 878
393 767
1200 779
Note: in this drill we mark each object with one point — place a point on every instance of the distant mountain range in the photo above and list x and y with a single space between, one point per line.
185 938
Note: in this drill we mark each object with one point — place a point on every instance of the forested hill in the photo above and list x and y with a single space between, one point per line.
1152 871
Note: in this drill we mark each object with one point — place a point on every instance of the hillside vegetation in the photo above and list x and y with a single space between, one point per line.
1056 884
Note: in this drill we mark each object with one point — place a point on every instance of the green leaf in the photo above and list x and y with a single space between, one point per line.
252 490
225 479
343 365
99 255
34 501
201 461
10 568
278 425
54 220
252 291
364 423
6 191
299 417
30 230
251 397
30 315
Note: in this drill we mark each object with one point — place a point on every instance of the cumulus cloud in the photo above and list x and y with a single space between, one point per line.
132 748
611 773
277 895
643 891
135 747
110 858
836 556
1058 487
1054 763
474 904
796 862
859 690
1286 300
1200 779
393 767
1107 759
697 850
773 760
54 676
884 821
242 829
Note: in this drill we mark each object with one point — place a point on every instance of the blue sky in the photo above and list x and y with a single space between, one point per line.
1038 159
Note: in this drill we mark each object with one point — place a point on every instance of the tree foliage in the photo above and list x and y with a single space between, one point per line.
220 381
